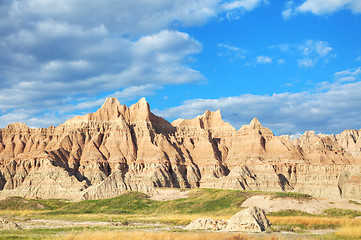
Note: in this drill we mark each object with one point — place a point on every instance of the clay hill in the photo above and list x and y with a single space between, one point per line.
117 149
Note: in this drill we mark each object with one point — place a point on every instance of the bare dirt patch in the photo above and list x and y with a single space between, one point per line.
312 206
167 194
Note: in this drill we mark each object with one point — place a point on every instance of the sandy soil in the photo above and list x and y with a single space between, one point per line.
52 223
166 194
313 206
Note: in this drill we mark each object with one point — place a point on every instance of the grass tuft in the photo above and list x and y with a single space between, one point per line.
354 202
294 195
335 212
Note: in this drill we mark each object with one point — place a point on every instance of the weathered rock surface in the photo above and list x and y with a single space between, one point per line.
207 224
6 224
252 219
308 205
273 204
117 149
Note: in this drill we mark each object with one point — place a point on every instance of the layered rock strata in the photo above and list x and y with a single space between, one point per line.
252 219
118 149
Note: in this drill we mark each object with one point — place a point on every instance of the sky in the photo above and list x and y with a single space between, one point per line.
295 65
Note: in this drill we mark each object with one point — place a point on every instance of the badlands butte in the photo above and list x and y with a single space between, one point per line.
118 149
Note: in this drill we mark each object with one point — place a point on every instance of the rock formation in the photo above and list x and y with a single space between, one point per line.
252 219
117 149
6 224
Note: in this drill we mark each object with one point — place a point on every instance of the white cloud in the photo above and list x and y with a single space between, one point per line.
319 48
358 58
306 62
327 110
229 47
234 9
231 52
264 59
62 56
136 17
111 65
308 53
349 75
289 11
321 7
242 4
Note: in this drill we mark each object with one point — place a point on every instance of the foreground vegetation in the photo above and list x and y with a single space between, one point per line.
163 236
199 201
124 211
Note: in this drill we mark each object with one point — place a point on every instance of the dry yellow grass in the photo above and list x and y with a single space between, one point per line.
182 219
17 212
309 221
179 219
351 231
110 235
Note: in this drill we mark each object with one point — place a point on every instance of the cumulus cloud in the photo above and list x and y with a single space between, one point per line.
327 109
321 7
107 65
56 58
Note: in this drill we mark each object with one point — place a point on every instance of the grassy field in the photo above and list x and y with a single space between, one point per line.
128 209
199 201
132 206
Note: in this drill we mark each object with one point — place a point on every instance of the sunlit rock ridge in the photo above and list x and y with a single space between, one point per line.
118 149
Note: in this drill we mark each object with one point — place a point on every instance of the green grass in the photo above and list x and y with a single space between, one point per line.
129 203
200 201
294 195
334 212
354 202
286 213
18 203
134 207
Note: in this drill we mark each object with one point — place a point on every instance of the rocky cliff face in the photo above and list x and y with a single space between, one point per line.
117 149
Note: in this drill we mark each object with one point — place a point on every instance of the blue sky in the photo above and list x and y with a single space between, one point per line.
295 65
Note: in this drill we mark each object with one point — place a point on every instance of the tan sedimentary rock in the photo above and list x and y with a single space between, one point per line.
274 204
118 149
6 224
252 219
207 224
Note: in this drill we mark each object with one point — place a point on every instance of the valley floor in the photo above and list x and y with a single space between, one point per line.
137 216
